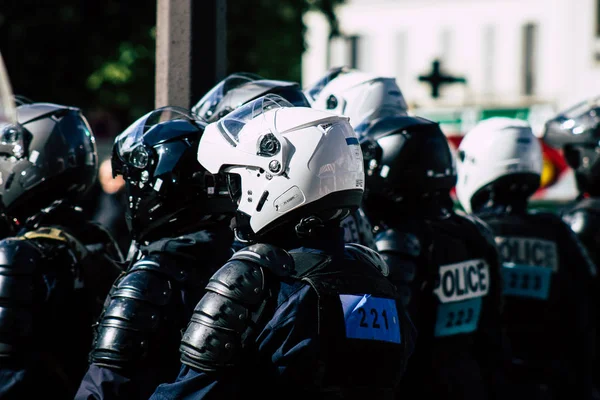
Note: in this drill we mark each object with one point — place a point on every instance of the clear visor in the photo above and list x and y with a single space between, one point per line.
8 113
581 108
205 108
129 144
232 124
317 88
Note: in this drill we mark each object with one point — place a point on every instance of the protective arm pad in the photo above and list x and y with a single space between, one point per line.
131 319
225 318
17 264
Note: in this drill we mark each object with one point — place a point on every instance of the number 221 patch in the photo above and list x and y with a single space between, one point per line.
371 318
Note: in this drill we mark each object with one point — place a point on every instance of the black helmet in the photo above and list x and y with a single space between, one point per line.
169 192
405 158
241 88
577 132
49 155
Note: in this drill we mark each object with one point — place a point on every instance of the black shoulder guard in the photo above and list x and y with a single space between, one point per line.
132 316
224 319
273 258
18 259
369 256
483 228
399 242
582 227
584 223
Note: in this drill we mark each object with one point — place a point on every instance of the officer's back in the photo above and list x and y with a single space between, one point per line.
547 273
297 314
446 264
57 270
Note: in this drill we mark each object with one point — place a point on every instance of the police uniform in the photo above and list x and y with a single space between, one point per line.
312 322
547 282
53 279
138 334
446 266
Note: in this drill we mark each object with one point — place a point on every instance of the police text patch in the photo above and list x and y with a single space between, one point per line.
371 318
462 281
528 251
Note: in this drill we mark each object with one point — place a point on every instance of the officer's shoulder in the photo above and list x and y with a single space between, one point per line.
479 224
18 251
273 258
399 240
368 256
582 221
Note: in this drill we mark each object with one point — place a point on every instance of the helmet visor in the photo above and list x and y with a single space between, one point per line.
129 144
205 108
231 125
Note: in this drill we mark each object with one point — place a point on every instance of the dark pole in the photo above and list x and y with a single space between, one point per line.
208 46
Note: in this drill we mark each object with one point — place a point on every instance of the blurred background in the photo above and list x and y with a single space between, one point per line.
456 61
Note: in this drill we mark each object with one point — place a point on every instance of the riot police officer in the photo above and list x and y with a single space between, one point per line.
577 132
241 88
547 273
446 264
298 313
179 214
57 270
358 95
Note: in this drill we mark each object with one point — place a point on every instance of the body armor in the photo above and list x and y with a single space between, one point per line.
355 302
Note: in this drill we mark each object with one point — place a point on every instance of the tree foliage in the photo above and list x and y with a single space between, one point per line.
100 54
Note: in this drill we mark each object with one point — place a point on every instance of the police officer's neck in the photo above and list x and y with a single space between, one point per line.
328 237
429 204
501 203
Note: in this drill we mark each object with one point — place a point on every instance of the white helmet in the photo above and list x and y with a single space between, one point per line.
496 148
292 162
358 95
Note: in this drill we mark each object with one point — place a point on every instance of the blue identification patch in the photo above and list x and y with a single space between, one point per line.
371 318
458 317
526 281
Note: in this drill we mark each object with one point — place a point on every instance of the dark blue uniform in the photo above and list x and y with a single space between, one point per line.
53 282
308 323
448 270
139 332
548 319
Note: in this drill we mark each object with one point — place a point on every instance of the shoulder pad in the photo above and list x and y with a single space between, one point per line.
142 282
369 256
130 320
18 259
482 227
399 242
239 280
225 318
582 222
273 258
17 251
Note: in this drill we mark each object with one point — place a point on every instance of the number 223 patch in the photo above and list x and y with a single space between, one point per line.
371 318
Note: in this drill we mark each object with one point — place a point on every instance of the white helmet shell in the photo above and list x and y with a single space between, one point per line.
358 95
494 148
287 157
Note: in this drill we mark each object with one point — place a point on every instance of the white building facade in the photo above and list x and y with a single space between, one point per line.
512 52
522 58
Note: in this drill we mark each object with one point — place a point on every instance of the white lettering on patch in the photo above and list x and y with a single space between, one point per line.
462 281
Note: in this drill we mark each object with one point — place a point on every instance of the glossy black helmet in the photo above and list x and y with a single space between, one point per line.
405 157
49 155
169 192
240 88
577 131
